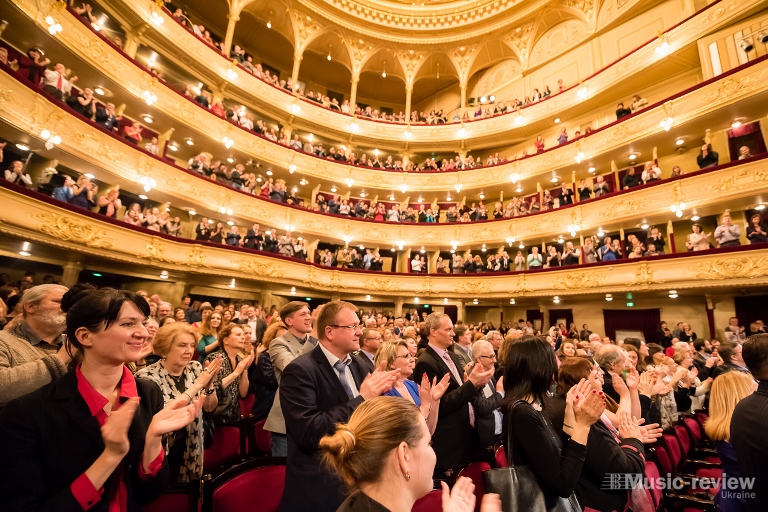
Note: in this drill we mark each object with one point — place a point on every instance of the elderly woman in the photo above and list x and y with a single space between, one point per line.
232 381
178 375
396 356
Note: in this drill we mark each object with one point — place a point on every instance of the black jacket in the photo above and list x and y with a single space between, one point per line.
485 419
50 438
313 402
254 240
454 438
751 444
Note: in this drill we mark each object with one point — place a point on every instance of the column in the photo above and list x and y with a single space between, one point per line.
353 93
404 260
312 249
670 239
233 19
711 317
71 273
398 307
463 106
432 261
177 293
131 46
408 94
295 73
162 139
461 312
544 311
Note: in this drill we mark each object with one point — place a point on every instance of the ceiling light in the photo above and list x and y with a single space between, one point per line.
143 197
303 182
554 179
556 299
392 197
232 283
292 168
293 290
557 120
173 147
407 134
592 170
600 232
673 294
192 213
230 160
643 226
608 297
99 91
89 176
294 190
462 133
147 118
421 199
164 274
632 156
269 24
449 198
484 248
560 239
22 146
393 249
521 246
422 250
333 189
519 189
361 247
362 194
735 124
695 218
416 300
482 196
475 301
269 173
25 249
230 223
512 301
760 207
367 297
680 142
189 141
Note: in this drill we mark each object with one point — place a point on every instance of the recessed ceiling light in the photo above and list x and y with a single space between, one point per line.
735 124
519 189
482 196
680 142
760 207
22 146
554 179
632 156
362 194
230 160
99 91
592 169
173 147
557 120
142 197
303 182
189 142
269 173
643 226
608 297
333 189
147 118
230 223
695 218
392 197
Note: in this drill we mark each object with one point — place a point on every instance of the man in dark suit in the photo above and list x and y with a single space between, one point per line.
748 425
454 438
731 354
369 344
584 333
318 390
504 262
254 239
487 403
270 241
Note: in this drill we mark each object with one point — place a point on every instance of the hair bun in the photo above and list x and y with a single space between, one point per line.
75 294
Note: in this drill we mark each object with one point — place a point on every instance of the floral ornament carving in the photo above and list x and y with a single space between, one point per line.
312 279
336 280
154 251
584 6
426 286
304 28
382 284
196 258
733 268
70 229
737 181
623 206
519 39
462 58
411 61
578 281
474 287
257 268
360 50
644 276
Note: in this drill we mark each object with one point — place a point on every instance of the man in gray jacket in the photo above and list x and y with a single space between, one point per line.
31 352
282 351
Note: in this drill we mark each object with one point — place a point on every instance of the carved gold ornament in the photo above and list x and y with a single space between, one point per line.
69 228
644 276
740 267
258 268
196 258
154 251
474 287
382 284
578 281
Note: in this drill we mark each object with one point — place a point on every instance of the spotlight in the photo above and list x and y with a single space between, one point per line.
22 146
673 294
679 142
26 249
164 274
608 297
695 218
736 124
747 46
475 301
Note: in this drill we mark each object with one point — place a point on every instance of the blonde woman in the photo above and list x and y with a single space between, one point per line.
396 356
110 203
727 391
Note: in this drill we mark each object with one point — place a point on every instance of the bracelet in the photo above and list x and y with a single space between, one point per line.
190 397
567 426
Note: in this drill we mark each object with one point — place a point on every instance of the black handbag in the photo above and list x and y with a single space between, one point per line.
519 489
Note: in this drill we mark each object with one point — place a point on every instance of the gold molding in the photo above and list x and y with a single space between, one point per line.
81 40
29 219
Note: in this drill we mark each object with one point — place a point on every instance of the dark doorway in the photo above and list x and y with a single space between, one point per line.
645 320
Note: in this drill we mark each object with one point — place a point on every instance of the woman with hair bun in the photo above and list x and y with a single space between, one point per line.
92 439
384 456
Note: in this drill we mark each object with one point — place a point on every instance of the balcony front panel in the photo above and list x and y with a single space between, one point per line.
43 221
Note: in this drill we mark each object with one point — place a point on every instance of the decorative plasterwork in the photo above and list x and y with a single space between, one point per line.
45 223
520 40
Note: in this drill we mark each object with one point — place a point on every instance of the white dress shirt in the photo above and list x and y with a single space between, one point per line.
332 359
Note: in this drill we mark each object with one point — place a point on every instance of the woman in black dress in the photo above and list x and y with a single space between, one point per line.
217 233
757 233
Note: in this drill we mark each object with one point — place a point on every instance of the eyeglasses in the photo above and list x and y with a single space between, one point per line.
352 327
492 357
406 356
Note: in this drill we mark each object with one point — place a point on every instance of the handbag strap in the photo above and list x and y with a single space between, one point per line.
510 462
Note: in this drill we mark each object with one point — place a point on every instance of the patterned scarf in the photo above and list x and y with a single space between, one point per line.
193 453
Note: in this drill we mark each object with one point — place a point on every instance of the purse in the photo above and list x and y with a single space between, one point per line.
519 489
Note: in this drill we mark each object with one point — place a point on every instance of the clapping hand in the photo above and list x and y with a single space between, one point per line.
378 383
461 498
629 426
211 369
650 433
619 385
587 409
439 388
176 414
244 364
114 432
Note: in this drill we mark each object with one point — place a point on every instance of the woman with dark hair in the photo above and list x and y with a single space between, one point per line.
757 233
92 440
232 380
663 337
530 370
707 157
611 449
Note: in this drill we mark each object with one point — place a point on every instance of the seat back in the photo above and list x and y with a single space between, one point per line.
255 485
432 502
263 437
475 473
681 433
673 449
694 429
501 457
181 497
225 449
665 464
653 491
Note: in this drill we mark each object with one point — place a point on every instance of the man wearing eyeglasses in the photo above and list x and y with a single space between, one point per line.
369 344
282 351
318 390
490 398
454 439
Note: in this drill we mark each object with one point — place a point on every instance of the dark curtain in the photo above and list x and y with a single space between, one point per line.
749 309
646 320
746 135
532 315
554 314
